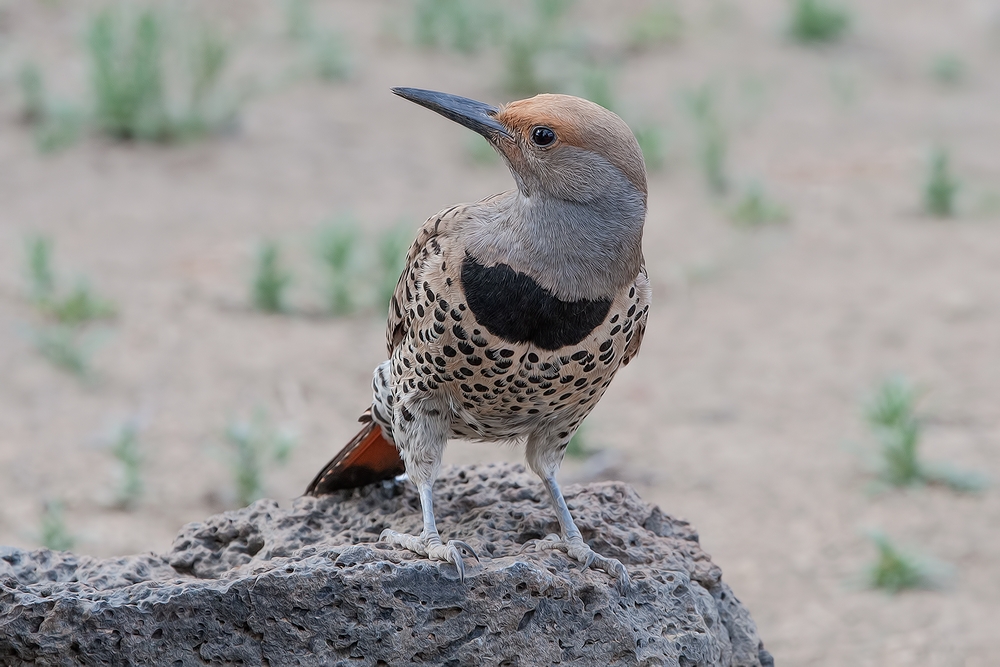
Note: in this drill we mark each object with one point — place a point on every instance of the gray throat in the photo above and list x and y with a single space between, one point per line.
574 250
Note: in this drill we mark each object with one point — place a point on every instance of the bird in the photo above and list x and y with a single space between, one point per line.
513 313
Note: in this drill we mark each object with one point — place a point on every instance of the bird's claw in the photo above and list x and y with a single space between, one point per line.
466 548
431 548
579 551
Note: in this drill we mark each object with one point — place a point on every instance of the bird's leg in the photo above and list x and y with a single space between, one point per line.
545 463
429 543
422 448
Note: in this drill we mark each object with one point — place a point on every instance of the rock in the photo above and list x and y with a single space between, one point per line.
309 585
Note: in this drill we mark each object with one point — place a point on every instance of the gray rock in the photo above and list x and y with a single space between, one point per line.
308 585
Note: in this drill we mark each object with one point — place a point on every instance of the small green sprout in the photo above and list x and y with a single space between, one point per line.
337 245
270 279
658 24
139 95
947 68
126 448
891 414
55 534
941 186
896 570
756 209
712 140
34 103
253 445
464 26
331 56
80 306
66 347
392 247
818 21
39 269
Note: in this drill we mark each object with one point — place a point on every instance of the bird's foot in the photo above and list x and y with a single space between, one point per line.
432 548
579 551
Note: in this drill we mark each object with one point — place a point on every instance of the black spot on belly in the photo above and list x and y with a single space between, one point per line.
514 307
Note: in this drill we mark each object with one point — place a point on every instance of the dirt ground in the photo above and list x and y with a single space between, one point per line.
742 412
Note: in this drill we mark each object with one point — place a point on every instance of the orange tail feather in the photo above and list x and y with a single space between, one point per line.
367 458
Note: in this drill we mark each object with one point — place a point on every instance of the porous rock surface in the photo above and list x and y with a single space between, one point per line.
308 585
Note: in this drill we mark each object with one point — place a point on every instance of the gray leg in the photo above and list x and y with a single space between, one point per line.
421 439
544 460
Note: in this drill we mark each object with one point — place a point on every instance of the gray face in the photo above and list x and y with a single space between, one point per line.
579 219
575 223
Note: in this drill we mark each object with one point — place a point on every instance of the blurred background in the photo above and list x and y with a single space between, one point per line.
204 207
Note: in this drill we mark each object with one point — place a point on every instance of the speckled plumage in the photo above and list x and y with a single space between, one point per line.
494 389
512 314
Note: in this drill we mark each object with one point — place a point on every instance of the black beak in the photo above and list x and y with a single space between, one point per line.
474 115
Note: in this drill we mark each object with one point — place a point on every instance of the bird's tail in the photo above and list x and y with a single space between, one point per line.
369 457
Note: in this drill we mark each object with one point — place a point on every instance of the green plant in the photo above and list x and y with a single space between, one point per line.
818 21
127 450
270 279
947 68
756 209
39 268
896 570
651 142
34 104
658 24
60 128
891 414
55 535
711 137
392 247
66 347
298 19
331 57
461 25
941 186
127 75
56 126
142 88
337 243
253 444
527 41
79 307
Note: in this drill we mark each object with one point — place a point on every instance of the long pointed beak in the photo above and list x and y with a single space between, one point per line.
474 115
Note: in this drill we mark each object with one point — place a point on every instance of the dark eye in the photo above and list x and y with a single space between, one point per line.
542 136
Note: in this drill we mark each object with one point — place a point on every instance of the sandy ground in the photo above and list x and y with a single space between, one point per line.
741 413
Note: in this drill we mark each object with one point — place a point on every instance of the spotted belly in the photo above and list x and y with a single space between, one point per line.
497 388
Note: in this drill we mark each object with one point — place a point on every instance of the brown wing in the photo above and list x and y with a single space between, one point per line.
367 458
432 233
370 457
632 349
400 316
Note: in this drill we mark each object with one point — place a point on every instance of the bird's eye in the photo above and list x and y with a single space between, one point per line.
542 136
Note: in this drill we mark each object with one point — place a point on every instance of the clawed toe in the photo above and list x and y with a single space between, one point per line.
587 557
465 547
431 548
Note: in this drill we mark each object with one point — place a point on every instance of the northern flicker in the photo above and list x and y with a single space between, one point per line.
513 313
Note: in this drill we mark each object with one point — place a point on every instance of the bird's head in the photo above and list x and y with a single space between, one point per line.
557 146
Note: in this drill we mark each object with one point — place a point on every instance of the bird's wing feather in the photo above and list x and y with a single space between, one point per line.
399 310
436 231
642 285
